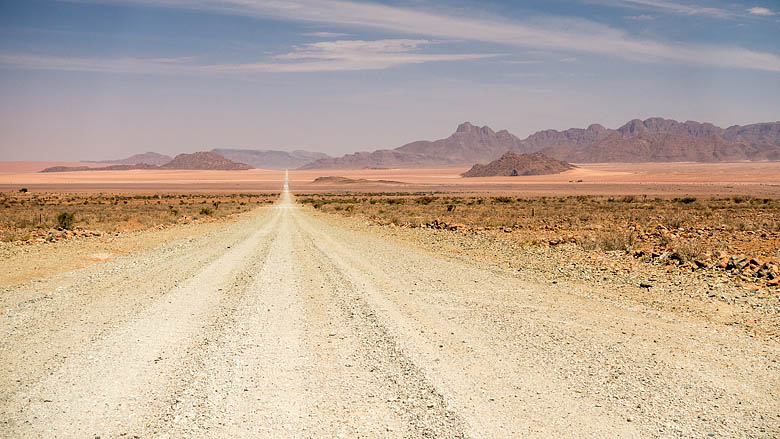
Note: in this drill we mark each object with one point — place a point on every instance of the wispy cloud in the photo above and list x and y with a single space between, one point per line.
549 33
523 61
98 65
674 7
641 17
325 34
761 11
342 55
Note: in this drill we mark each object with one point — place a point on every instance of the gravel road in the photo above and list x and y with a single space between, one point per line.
290 324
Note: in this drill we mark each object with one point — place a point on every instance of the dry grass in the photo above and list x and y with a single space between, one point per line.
687 225
23 213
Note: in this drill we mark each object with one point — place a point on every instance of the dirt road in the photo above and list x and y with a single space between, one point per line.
289 324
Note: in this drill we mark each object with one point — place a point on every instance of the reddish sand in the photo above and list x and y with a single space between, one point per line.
661 179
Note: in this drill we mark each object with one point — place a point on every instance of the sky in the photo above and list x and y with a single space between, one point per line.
104 79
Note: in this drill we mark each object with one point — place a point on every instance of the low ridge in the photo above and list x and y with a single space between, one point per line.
149 158
270 159
101 168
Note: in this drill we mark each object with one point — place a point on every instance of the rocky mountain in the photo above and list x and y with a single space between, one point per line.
204 161
571 137
654 140
269 159
654 147
657 125
511 164
150 158
469 144
758 133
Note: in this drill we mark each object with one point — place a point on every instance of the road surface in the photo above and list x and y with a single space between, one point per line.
288 324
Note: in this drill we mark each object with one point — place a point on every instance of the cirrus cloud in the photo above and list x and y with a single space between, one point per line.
549 33
325 56
761 11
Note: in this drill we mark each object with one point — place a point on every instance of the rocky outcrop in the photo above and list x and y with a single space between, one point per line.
204 161
511 164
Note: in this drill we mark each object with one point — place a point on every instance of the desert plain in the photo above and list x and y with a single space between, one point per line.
669 179
612 300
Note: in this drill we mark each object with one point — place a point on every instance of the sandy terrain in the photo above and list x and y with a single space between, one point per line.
718 179
290 323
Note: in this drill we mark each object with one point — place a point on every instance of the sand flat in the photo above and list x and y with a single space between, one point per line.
659 179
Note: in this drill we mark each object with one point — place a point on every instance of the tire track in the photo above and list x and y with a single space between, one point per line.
113 382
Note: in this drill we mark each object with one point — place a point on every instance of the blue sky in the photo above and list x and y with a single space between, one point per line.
108 78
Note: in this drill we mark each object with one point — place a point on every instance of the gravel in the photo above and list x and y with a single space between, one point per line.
289 323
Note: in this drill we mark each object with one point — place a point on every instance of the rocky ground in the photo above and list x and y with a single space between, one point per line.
289 322
709 292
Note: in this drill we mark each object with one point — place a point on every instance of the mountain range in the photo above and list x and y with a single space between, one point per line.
196 161
149 158
270 159
651 140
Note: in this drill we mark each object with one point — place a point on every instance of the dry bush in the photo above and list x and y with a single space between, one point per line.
718 223
23 213
616 240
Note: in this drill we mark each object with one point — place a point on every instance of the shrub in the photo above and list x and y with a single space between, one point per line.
424 200
65 220
205 211
616 240
23 190
678 220
685 200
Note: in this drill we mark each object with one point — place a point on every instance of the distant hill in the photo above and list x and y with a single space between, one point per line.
571 137
204 161
666 140
649 147
651 140
335 180
150 158
194 161
269 159
511 164
101 168
469 144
